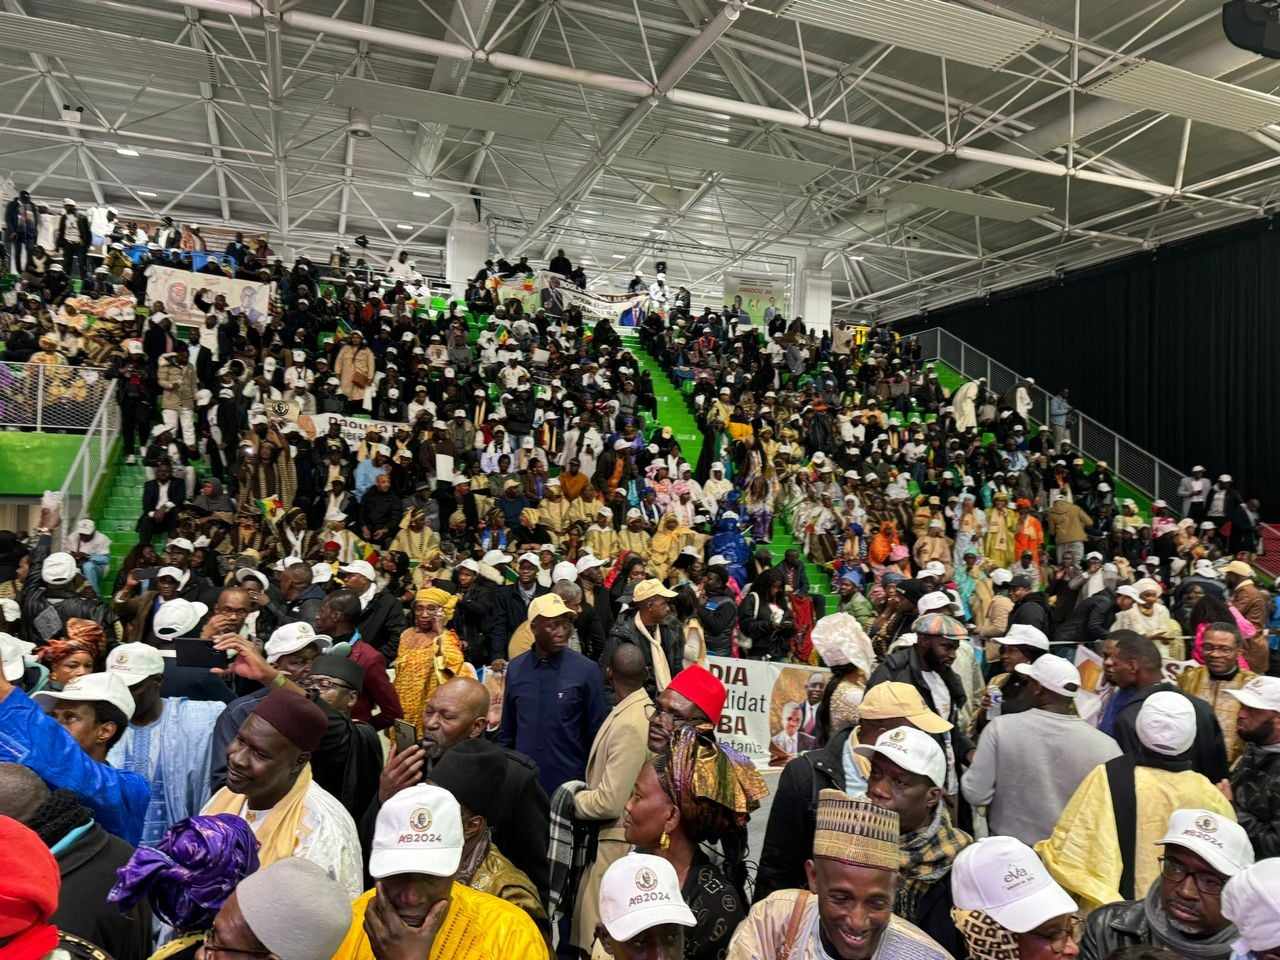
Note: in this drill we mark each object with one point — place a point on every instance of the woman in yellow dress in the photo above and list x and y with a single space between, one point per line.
1002 524
665 545
430 653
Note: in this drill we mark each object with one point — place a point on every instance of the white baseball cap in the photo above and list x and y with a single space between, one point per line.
1001 576
639 892
177 618
419 830
564 570
1003 878
362 567
1167 723
934 568
248 573
1260 693
1055 674
134 662
1129 591
293 637
93 688
13 654
1218 841
911 749
1249 901
469 564
1025 635
182 543
321 573
588 562
174 573
58 569
495 557
529 557
936 600
86 527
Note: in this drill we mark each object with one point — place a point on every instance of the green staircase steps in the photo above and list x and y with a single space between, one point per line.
674 412
119 518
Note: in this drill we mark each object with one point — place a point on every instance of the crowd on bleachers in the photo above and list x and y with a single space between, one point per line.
413 654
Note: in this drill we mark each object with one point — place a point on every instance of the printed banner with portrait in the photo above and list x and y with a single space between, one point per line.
753 294
768 708
177 290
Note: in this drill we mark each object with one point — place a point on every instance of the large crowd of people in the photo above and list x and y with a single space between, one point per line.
419 650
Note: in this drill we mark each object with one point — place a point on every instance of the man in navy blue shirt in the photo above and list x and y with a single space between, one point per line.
555 700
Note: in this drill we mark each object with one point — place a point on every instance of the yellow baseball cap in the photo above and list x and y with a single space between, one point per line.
888 701
549 605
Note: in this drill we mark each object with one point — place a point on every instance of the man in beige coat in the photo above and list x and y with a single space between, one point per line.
355 370
619 751
1067 523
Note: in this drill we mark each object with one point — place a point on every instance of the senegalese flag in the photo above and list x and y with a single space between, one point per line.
271 507
503 336
370 553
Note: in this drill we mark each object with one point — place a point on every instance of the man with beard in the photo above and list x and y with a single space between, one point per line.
1182 910
926 665
458 710
854 874
1254 789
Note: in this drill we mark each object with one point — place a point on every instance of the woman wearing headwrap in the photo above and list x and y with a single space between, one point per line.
188 875
698 791
211 499
1151 618
665 545
430 653
971 528
882 543
75 655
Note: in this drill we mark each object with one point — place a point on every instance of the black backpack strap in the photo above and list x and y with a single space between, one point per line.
1124 805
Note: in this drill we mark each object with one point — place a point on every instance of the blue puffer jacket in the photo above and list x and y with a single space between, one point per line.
34 739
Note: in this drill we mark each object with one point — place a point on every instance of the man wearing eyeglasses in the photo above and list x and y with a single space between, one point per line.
1183 908
349 761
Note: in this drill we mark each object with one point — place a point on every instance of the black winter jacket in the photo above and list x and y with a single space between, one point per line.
1255 788
905 666
1208 752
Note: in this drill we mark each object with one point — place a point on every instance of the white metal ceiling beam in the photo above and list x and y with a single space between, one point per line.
199 41
41 63
349 149
588 175
275 98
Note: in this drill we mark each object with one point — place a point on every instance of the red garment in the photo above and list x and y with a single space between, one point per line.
29 886
377 691
802 614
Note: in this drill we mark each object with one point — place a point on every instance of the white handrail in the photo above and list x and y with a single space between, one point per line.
90 459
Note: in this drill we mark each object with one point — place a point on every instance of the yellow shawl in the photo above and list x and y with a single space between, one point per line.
279 833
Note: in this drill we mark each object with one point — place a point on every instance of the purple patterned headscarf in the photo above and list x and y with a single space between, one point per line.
192 870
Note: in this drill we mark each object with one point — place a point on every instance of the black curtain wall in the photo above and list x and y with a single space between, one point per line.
1175 349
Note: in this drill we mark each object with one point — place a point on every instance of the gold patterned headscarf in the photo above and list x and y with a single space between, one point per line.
441 598
985 938
855 830
715 787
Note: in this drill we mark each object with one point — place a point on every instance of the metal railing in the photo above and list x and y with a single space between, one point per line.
89 466
51 396
1141 470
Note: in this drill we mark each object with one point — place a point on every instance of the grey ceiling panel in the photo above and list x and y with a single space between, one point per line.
426 106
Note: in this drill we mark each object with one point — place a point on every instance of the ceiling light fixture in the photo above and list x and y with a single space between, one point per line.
145 193
421 193
404 226
126 151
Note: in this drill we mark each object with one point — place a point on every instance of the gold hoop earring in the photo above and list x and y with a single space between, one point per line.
664 842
